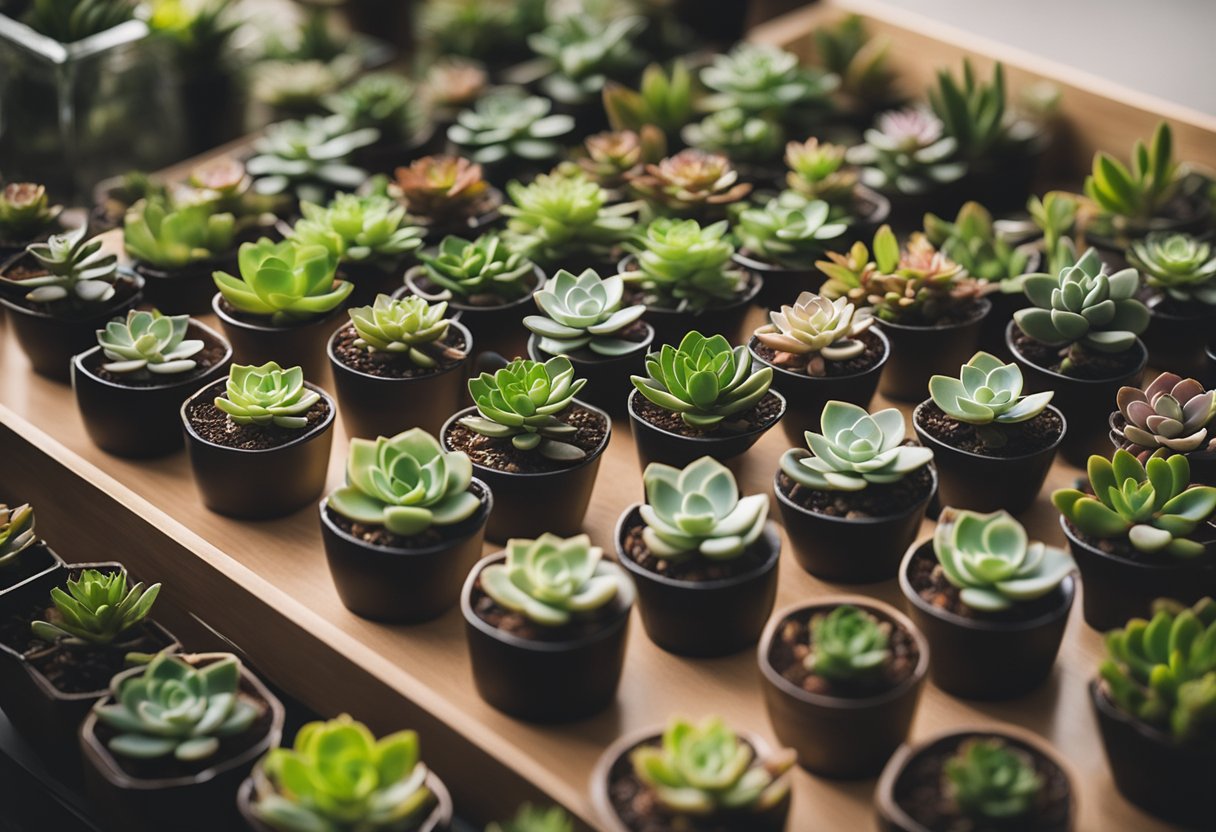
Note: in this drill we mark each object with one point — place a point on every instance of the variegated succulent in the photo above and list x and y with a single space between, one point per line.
149 341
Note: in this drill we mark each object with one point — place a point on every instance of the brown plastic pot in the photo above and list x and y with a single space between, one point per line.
263 483
608 383
545 681
378 406
654 444
919 352
1176 342
671 325
839 736
201 802
987 658
301 345
139 422
184 291
703 618
399 585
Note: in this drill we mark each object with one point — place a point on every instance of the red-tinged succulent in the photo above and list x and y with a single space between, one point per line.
614 157
443 189
1171 415
690 181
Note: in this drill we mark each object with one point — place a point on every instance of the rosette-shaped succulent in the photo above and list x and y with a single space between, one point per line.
737 134
531 818
612 158
407 326
704 769
453 83
510 124
1181 266
988 390
299 85
705 380
992 562
685 265
286 281
907 153
789 230
854 450
442 190
484 269
814 329
267 394
765 79
1136 195
337 776
97 608
149 341
664 101
991 781
972 242
557 218
1149 503
386 101
848 645
553 580
817 170
171 237
583 311
690 183
521 401
16 532
358 229
1163 671
225 185
173 708
698 510
309 158
406 484
1171 415
583 51
25 211
77 270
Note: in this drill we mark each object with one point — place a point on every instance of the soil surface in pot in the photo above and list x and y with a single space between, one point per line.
380 536
920 791
518 625
791 645
397 365
502 455
930 583
953 314
1021 439
635 332
693 568
214 426
875 500
1089 365
856 365
766 411
124 289
213 353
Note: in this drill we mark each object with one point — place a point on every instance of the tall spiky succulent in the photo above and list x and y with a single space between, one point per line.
285 282
665 101
358 229
765 79
813 331
409 327
684 265
583 311
77 270
988 391
736 134
989 780
818 170
972 242
310 159
16 533
1055 214
25 212
442 190
974 113
171 237
907 152
509 124
97 608
149 341
267 395
1136 195
848 646
583 52
484 269
1171 415
692 183
789 230
698 510
521 401
559 218
386 101
1181 266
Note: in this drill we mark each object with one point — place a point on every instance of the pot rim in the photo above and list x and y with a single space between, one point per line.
1068 586
767 268
56 563
1009 344
228 320
755 283
346 368
708 440
784 499
784 373
770 674
78 365
609 630
1118 422
926 438
984 305
309 434
770 535
1076 540
602 361
110 310
147 270
1106 709
416 271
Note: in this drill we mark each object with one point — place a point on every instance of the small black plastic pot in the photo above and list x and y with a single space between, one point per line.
671 325
1118 589
839 736
987 658
184 291
1176 342
608 383
918 352
469 228
371 279
379 406
31 565
545 681
782 284
805 396
851 550
259 484
703 618
988 483
201 802
139 422
404 586
1168 780
1084 403
301 345
654 444
530 504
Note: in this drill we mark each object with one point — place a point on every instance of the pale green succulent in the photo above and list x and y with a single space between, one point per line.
77 270
737 134
267 394
583 52
817 170
556 218
483 268
848 645
171 237
698 509
854 450
149 341
358 229
583 312
508 123
1180 265
907 152
25 211
789 230
407 326
16 532
386 101
310 158
988 390
286 282
684 265
520 402
663 100
531 818
766 80
98 608
989 780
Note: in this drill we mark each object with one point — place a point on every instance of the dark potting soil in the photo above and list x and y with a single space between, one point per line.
1021 439
929 580
447 354
692 568
516 624
789 649
1088 365
866 360
501 455
635 332
213 353
920 791
760 417
214 426
875 500
124 289
432 536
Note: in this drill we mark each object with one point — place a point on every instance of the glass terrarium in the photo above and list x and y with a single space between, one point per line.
72 114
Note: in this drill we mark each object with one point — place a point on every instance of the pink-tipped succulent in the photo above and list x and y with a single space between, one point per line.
1172 415
690 181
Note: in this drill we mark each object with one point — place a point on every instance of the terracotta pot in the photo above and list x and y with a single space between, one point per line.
608 383
918 352
301 345
655 444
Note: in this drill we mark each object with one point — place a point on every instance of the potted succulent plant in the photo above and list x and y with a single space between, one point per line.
682 272
766 80
510 133
547 621
818 170
258 441
1179 273
664 99
398 362
929 308
389 103
174 739
1171 415
1154 703
283 305
702 398
309 160
862 63
451 84
704 559
907 157
752 142
692 184
531 818
308 786
486 282
975 779
405 529
698 776
130 387
23 557
854 502
446 195
993 446
175 248
611 159
535 445
59 293
992 603
26 216
1139 535
1079 339
820 350
842 678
